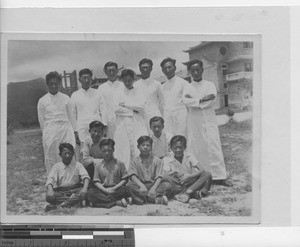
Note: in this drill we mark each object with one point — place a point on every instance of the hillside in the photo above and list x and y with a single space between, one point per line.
22 99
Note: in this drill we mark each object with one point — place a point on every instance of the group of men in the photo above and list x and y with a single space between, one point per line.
126 108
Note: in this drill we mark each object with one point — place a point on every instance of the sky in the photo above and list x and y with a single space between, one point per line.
29 60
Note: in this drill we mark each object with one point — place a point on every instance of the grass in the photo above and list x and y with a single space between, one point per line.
26 177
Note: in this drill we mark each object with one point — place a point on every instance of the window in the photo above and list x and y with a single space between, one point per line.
224 69
247 44
248 66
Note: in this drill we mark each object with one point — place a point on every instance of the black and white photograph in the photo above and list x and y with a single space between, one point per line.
153 127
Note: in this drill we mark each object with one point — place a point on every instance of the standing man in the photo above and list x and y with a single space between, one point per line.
152 90
175 112
109 90
56 118
89 105
203 133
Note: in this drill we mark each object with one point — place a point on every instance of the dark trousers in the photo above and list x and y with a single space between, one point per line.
201 182
68 195
100 199
165 188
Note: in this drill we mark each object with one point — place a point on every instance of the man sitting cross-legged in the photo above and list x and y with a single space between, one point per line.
64 184
110 177
145 172
184 172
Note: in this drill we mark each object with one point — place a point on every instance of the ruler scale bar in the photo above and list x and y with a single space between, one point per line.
62 236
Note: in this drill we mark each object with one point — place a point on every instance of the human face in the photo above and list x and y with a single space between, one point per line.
145 148
53 85
66 156
157 128
178 149
96 134
111 73
196 72
128 81
145 69
85 81
169 69
107 152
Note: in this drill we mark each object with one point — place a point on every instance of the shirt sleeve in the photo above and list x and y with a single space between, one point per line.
133 168
71 109
166 165
41 114
52 177
137 105
102 108
211 89
194 163
97 177
121 110
82 172
87 159
123 171
158 167
160 98
190 102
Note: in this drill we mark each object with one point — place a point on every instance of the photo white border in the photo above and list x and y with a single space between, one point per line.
255 207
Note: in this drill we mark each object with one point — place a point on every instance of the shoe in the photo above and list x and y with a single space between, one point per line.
161 200
121 203
182 197
50 207
129 200
198 195
83 203
222 182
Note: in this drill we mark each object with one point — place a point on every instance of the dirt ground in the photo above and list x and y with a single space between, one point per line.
26 176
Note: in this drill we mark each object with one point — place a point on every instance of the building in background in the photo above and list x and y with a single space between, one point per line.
230 66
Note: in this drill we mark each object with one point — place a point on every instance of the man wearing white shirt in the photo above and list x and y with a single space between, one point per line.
56 119
109 90
89 105
130 123
203 133
175 111
152 90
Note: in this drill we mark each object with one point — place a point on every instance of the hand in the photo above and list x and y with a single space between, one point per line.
110 190
152 193
188 96
82 193
77 138
184 179
50 193
143 190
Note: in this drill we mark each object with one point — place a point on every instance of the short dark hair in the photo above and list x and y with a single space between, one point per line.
96 124
65 145
178 138
156 119
85 71
107 142
146 60
108 64
53 74
194 61
143 139
127 72
168 59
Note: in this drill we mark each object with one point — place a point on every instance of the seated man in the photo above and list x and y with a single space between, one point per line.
90 152
160 138
183 171
64 184
110 178
145 172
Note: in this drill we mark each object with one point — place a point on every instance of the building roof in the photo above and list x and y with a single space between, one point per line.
203 43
